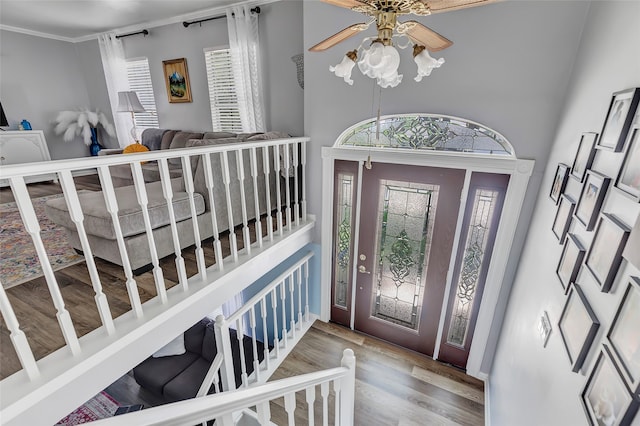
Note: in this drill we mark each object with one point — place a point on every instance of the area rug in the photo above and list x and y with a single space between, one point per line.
19 261
99 407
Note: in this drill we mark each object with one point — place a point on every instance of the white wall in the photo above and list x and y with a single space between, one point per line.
530 385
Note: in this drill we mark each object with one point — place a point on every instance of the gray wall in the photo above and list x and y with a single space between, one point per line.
38 78
529 384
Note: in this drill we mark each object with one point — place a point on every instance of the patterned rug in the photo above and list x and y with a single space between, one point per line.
99 407
18 260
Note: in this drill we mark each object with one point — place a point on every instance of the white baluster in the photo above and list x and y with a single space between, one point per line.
208 176
254 342
264 413
246 237
32 226
243 361
223 344
226 180
274 309
266 166
75 212
225 420
303 161
296 183
167 191
18 338
348 385
292 321
276 169
306 292
290 407
336 408
310 394
189 188
265 335
256 198
112 207
141 194
287 188
299 281
283 295
324 392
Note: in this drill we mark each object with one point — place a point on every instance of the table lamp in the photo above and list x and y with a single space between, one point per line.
129 102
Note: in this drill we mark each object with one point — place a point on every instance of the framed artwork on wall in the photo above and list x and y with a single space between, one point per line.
605 398
559 182
628 180
622 109
578 326
591 198
570 261
631 251
563 217
176 77
624 335
584 156
605 254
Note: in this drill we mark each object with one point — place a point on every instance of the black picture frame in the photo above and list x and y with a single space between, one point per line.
578 326
623 335
564 213
559 182
591 198
628 180
631 253
584 155
620 406
622 110
570 261
605 253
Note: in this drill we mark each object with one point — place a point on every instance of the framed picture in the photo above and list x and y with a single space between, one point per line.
605 254
628 180
578 326
585 155
563 217
559 182
631 251
570 261
605 398
619 117
591 198
176 77
624 335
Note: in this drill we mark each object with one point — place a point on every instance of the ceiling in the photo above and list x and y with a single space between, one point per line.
81 19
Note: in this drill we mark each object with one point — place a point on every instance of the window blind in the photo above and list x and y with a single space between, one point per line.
139 79
225 111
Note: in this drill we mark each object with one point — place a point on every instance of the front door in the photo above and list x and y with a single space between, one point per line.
407 226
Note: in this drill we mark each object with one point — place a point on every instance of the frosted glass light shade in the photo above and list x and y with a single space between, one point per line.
425 63
381 62
344 68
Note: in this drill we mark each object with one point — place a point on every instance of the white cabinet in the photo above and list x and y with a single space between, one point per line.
24 146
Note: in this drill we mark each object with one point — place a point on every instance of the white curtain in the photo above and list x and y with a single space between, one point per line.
115 73
245 53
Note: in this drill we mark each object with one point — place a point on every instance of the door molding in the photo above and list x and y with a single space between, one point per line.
519 170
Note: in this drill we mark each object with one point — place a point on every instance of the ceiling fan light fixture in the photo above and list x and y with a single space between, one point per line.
425 62
381 62
344 68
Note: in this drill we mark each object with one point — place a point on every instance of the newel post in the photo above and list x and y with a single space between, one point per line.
223 345
348 385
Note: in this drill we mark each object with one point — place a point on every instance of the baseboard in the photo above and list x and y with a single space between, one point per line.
85 172
487 402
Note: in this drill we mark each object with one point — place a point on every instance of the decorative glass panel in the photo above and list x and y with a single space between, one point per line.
426 132
343 239
405 229
474 253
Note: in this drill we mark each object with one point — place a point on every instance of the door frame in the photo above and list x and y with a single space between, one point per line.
520 171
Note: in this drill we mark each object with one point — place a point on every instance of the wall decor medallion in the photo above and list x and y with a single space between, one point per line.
584 156
605 254
559 182
591 198
619 118
578 326
176 77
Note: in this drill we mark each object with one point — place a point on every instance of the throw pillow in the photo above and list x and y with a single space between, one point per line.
174 347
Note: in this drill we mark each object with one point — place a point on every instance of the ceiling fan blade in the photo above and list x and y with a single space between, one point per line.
339 37
424 36
349 4
439 6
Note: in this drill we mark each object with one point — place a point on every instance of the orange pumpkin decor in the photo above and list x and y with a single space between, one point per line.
134 147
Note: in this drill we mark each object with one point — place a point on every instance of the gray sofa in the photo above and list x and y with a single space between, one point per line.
99 225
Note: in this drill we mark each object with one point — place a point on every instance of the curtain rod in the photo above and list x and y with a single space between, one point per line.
200 21
144 32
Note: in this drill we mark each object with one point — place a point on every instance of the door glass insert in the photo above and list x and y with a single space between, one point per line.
404 232
477 236
343 239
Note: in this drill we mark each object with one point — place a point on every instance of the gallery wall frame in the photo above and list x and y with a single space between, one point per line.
578 327
559 182
631 251
176 78
622 110
605 253
628 180
584 155
605 397
623 335
570 261
591 198
564 213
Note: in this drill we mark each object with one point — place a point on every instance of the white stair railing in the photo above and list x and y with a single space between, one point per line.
221 407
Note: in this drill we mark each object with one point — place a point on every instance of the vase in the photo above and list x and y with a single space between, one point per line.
95 147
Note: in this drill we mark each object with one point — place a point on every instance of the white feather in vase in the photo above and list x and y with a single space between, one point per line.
80 122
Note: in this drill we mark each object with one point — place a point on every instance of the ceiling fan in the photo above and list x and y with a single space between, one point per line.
381 59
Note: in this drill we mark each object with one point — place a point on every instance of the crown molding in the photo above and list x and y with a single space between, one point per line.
36 33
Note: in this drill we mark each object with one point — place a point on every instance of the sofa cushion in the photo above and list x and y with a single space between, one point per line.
218 135
186 384
152 138
98 222
167 138
154 373
180 141
193 336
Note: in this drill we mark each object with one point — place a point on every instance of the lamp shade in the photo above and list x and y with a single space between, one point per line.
3 118
129 102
